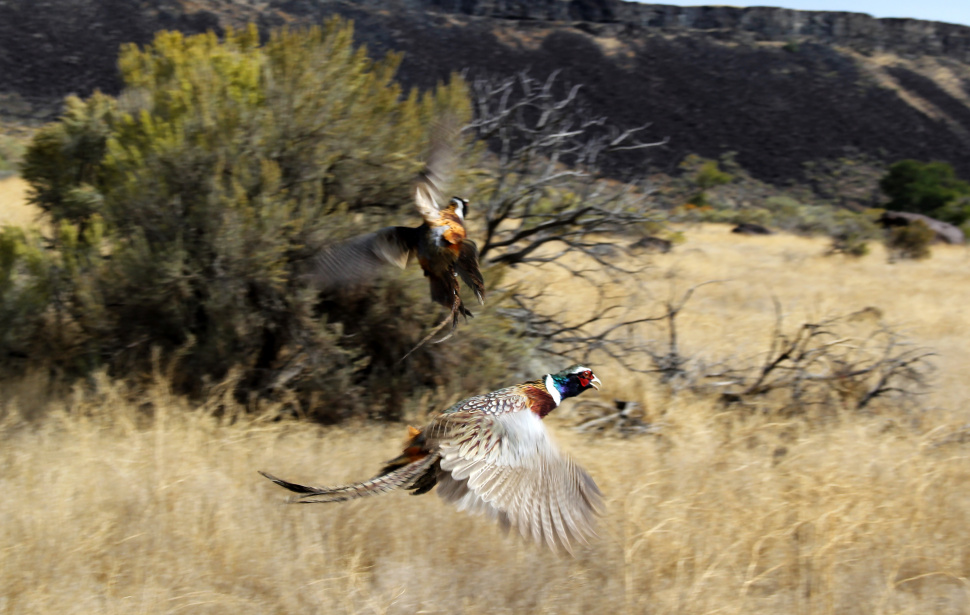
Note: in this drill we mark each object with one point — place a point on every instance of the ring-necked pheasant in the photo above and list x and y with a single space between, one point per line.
491 454
440 243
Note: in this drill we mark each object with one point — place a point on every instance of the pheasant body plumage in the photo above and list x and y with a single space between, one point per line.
491 454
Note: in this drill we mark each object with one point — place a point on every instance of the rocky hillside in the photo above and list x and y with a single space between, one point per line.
779 87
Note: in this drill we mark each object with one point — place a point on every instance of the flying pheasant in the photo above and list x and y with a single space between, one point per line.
440 243
491 454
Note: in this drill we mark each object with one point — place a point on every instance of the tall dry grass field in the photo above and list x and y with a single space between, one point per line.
107 509
13 206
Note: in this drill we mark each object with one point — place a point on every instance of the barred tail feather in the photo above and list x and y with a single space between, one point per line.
401 478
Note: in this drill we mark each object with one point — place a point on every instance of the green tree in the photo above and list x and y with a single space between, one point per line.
188 206
929 188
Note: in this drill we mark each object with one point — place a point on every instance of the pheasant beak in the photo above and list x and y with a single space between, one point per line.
595 382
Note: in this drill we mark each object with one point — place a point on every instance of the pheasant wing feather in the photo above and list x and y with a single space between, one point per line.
439 169
506 466
467 268
357 258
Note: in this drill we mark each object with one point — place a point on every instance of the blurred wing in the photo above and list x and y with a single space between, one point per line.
356 259
434 180
467 268
427 199
506 467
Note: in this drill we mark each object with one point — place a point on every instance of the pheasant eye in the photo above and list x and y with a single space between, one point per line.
585 377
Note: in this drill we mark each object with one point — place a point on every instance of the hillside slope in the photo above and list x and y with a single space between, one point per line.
779 87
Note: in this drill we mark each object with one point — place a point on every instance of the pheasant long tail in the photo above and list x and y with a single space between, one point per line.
456 310
401 478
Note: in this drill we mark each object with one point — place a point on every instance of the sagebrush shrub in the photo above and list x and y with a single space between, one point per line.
11 151
911 241
187 207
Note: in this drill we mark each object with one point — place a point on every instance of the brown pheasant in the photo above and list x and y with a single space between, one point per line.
440 243
491 454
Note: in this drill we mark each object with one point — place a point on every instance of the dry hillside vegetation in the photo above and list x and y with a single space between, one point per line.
154 506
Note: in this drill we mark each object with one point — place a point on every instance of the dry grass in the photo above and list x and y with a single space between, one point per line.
14 209
734 317
108 510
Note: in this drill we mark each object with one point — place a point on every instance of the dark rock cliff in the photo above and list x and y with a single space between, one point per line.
779 87
855 30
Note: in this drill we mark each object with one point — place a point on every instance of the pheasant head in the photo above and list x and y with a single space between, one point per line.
458 206
570 382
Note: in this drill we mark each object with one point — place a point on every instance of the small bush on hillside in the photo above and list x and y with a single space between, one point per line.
751 215
187 208
703 175
955 212
25 288
850 244
11 152
710 175
911 241
851 232
930 188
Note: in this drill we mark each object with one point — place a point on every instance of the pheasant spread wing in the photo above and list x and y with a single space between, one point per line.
356 259
428 200
439 169
506 466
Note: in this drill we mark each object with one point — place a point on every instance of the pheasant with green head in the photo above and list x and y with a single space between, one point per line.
491 454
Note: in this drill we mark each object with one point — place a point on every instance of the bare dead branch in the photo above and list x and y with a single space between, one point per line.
547 184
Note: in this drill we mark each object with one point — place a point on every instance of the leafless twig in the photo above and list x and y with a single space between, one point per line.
546 186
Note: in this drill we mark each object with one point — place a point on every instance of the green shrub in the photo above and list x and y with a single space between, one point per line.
911 241
930 188
702 174
710 175
956 212
786 213
25 288
11 151
188 207
849 244
752 215
852 231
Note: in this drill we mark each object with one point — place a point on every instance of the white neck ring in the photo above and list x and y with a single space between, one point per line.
553 391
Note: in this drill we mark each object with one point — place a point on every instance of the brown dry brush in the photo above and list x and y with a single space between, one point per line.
594 337
842 362
829 364
610 331
544 195
911 242
546 200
